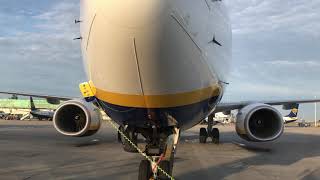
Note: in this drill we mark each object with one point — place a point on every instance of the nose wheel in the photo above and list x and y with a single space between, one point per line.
167 166
145 171
161 167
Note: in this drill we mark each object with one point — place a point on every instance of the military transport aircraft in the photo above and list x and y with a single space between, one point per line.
158 67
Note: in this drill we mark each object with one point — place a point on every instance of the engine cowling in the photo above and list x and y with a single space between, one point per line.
77 118
259 123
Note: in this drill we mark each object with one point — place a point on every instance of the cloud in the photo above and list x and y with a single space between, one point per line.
278 71
41 56
274 79
309 63
38 54
60 18
262 16
271 90
275 49
52 41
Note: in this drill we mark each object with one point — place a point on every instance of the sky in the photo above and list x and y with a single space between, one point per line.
276 49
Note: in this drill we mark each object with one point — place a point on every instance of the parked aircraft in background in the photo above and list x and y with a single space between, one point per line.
3 114
292 116
40 114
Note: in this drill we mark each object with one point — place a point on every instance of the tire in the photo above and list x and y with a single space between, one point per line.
203 136
167 167
215 135
145 171
119 135
127 146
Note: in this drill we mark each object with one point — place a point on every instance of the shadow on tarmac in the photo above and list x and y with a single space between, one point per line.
286 151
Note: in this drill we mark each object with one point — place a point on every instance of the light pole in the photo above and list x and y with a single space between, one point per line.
315 113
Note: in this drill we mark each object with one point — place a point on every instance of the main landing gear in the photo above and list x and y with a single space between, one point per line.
209 132
132 135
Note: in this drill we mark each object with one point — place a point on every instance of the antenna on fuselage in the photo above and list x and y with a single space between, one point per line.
77 21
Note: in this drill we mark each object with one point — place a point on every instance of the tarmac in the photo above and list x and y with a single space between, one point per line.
34 150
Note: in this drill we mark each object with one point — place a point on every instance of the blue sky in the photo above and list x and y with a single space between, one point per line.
36 48
276 48
275 51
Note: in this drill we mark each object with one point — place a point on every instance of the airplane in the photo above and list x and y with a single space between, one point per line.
292 116
40 114
153 67
3 115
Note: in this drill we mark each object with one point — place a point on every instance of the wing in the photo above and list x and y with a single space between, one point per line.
287 104
50 99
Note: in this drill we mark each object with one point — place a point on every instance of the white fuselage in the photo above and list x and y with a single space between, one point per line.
156 53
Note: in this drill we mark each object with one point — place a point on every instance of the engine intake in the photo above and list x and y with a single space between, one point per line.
77 118
259 123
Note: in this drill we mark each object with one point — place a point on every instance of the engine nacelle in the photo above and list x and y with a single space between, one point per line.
259 123
77 118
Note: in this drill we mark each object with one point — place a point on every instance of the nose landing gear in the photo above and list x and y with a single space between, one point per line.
162 165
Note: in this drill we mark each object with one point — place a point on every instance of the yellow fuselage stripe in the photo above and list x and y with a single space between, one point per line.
158 101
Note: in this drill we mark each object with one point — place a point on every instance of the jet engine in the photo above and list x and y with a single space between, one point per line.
259 123
77 118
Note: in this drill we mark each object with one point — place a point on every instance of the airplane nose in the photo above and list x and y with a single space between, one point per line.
138 55
132 13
